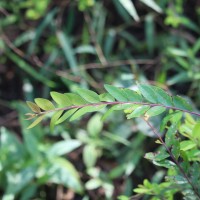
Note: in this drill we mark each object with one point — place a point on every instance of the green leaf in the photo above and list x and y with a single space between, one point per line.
85 110
90 155
88 95
95 125
63 147
61 99
116 92
37 121
66 115
107 113
116 107
156 110
65 174
34 107
44 104
138 112
172 117
187 145
106 97
181 103
172 141
132 95
130 8
131 108
76 99
123 106
162 97
93 184
169 137
153 5
148 92
54 119
196 131
158 156
165 163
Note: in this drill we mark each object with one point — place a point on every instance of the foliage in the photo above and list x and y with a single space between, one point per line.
65 46
147 102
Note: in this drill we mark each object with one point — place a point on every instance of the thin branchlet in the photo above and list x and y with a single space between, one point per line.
122 103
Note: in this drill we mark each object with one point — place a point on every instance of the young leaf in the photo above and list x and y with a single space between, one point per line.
61 99
88 95
116 92
132 95
179 102
34 107
66 115
138 112
156 110
44 104
76 99
37 121
85 110
162 96
54 119
148 92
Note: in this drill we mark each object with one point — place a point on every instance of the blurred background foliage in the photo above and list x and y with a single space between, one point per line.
60 45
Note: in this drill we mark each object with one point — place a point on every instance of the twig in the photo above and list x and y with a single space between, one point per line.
94 40
120 103
117 63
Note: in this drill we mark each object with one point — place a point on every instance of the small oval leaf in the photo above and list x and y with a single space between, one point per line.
66 115
116 92
85 110
61 99
88 95
181 103
148 93
156 110
54 119
76 99
138 112
132 95
44 104
34 107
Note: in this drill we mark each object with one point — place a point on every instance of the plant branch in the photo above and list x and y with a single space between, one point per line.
173 158
122 103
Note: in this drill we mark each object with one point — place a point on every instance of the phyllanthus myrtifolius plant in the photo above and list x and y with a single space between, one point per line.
147 102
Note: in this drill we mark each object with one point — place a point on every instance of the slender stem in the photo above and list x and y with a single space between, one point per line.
173 158
94 40
122 103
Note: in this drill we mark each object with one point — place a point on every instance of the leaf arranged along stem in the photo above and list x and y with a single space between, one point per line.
148 101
